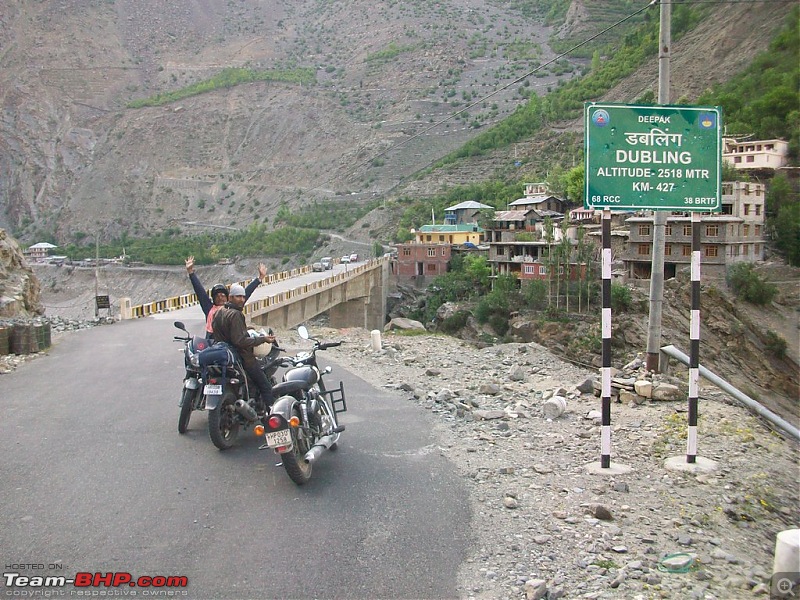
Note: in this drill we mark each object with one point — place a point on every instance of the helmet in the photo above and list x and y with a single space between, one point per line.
217 289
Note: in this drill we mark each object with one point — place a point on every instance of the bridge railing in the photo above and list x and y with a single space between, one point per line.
187 300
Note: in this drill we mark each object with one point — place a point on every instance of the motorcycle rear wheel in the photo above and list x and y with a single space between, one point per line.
223 423
294 461
187 405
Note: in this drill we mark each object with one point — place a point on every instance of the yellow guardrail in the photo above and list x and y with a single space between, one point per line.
187 300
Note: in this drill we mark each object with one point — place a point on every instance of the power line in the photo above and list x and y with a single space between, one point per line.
497 91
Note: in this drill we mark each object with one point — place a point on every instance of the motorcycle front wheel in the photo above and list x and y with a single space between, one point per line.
294 462
187 405
223 422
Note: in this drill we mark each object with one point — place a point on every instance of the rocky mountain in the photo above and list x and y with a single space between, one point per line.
19 287
388 78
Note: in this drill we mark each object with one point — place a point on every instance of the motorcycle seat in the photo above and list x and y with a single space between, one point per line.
287 387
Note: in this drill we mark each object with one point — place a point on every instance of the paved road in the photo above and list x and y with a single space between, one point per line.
95 478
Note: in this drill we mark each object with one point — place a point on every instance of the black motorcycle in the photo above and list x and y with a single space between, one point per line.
230 399
303 421
192 395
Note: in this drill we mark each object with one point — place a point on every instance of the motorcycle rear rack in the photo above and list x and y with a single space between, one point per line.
336 398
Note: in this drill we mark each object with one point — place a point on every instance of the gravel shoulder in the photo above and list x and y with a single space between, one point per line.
538 513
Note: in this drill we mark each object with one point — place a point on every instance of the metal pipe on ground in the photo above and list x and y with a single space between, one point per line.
743 398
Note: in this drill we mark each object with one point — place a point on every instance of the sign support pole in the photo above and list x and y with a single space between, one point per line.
605 422
659 217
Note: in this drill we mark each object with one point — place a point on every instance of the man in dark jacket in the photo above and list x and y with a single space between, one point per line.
230 327
219 293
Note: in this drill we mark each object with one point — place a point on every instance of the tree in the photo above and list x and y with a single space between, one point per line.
547 233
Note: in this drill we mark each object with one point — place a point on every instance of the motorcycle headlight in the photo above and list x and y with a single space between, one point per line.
194 360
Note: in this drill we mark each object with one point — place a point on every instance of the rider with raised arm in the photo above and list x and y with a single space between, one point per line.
230 327
219 293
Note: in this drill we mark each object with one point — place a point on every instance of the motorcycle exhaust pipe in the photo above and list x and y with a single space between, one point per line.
244 409
322 444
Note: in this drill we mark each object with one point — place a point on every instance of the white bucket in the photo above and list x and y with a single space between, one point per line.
554 407
787 553
375 336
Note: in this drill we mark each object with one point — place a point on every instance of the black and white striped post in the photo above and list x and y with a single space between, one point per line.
605 423
606 466
692 462
694 340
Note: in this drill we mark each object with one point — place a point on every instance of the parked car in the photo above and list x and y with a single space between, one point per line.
317 266
345 259
354 257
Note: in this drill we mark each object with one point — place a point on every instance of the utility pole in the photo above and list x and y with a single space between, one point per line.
96 267
659 216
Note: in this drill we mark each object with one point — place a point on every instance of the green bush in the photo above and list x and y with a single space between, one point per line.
534 294
776 345
620 297
455 323
747 285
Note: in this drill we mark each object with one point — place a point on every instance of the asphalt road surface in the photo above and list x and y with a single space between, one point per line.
96 479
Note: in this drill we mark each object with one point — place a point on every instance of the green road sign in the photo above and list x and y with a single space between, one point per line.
653 157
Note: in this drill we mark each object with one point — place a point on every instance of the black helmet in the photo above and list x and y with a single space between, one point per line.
217 289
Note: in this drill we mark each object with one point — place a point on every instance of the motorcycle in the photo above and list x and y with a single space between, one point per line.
232 403
192 395
303 423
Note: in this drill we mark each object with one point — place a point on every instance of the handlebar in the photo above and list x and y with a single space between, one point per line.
326 345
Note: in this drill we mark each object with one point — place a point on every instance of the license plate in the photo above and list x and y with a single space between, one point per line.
282 437
212 390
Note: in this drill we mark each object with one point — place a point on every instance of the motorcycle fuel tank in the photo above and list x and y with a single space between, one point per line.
306 374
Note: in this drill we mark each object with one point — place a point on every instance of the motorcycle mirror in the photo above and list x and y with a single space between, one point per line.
303 332
179 325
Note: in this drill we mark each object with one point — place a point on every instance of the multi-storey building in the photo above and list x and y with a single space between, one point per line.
429 254
735 234
766 155
464 212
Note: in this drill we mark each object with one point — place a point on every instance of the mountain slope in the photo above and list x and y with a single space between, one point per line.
75 161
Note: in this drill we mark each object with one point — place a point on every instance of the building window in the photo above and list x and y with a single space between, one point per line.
431 267
667 249
746 209
530 270
758 230
746 230
668 229
501 251
758 209
441 238
644 229
746 250
406 251
712 250
644 249
431 252
757 249
687 250
444 251
737 159
712 230
751 158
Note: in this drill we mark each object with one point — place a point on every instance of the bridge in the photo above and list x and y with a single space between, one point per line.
353 295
